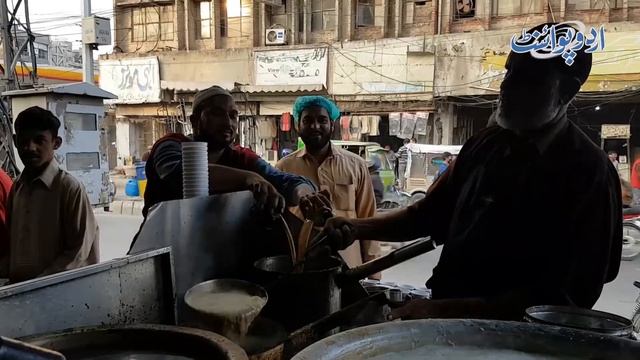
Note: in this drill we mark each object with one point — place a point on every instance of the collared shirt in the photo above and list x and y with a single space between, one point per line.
164 171
346 177
514 217
52 225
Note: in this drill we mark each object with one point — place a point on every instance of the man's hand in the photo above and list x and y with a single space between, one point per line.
267 197
340 231
416 309
316 207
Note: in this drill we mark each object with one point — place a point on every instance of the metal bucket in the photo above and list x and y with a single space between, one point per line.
459 339
581 319
142 341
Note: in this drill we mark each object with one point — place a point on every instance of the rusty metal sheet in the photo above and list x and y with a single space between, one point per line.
136 289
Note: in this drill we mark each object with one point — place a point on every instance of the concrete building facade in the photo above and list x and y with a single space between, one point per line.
440 62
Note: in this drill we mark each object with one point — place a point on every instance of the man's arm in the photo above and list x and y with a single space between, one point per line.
428 216
292 187
222 179
366 208
80 231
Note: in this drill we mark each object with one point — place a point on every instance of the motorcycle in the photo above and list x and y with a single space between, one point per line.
631 234
394 198
635 319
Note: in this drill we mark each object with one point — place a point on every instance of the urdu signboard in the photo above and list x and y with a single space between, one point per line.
133 80
291 67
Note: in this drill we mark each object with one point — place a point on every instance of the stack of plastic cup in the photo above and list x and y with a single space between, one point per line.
195 170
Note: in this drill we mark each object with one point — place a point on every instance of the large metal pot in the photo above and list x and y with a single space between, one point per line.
141 341
325 286
468 339
581 319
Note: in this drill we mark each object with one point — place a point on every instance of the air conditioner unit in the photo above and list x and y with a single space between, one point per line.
276 37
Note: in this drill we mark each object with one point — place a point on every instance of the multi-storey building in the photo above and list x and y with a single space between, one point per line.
442 60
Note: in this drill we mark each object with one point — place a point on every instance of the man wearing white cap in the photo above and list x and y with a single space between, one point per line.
232 168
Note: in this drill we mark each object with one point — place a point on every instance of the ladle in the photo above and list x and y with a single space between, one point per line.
292 245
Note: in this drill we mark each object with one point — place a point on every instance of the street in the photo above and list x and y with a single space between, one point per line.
618 297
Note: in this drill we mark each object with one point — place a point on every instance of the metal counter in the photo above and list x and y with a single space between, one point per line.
211 237
135 289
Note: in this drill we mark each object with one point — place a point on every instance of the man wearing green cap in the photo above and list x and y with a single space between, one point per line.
342 174
232 168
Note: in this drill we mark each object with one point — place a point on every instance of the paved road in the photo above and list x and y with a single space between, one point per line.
618 297
117 231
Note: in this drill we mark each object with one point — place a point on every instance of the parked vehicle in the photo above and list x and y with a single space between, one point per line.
635 318
423 165
369 151
631 234
394 198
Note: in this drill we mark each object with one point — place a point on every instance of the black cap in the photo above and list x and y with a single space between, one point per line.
580 68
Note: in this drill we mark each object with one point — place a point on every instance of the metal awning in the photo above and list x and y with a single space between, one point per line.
317 88
194 86
78 88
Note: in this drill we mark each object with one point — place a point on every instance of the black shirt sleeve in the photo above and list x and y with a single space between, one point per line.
431 216
597 243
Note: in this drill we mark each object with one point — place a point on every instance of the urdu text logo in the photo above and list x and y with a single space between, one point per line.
563 39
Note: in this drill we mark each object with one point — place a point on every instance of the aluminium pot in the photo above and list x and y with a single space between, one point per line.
581 319
469 339
141 341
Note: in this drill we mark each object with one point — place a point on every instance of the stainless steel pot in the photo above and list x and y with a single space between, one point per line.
581 319
143 341
479 339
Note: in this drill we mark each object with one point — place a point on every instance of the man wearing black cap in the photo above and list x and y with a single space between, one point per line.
519 228
232 168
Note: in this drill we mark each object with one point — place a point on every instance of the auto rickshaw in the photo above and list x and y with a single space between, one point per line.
423 165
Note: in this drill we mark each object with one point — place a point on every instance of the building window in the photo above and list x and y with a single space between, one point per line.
323 15
573 5
235 18
152 23
301 23
167 31
365 13
465 9
414 12
42 54
83 161
80 121
138 24
205 20
520 7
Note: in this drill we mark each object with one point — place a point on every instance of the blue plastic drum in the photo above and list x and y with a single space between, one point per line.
131 189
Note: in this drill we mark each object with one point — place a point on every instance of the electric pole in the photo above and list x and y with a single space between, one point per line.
87 49
10 26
